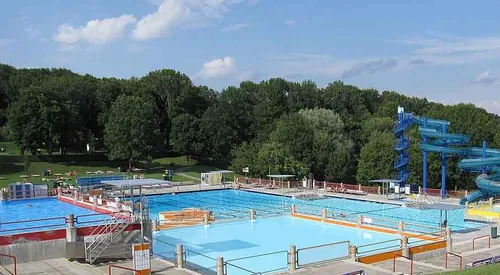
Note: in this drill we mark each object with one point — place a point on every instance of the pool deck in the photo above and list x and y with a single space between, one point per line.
63 266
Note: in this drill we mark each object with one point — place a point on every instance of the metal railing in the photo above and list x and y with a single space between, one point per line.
379 249
198 266
329 255
14 261
456 255
280 257
80 219
110 267
104 234
13 225
356 272
401 256
225 270
481 237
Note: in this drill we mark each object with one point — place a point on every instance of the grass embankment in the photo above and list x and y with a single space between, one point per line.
492 269
11 171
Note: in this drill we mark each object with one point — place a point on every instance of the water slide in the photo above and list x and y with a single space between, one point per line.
483 160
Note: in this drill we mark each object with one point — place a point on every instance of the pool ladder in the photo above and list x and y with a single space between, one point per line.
105 234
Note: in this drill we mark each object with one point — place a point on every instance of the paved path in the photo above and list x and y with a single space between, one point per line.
65 267
180 172
340 268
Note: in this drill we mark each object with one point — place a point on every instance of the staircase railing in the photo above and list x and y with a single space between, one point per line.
104 234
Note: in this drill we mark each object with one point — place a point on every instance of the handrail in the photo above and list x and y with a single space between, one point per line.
320 246
199 254
323 245
35 220
356 272
394 262
14 259
480 237
377 249
110 267
456 255
239 267
262 255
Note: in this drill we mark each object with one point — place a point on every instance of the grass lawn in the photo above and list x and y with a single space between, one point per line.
9 147
482 270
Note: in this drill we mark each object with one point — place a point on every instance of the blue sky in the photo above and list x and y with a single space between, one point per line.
447 51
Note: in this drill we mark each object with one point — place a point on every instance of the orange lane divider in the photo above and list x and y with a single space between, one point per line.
111 266
456 255
14 260
396 255
367 227
184 217
480 237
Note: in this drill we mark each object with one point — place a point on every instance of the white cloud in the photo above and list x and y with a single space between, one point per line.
173 14
95 31
290 22
218 67
370 67
485 78
234 27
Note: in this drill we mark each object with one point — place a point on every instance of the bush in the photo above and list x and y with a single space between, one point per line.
54 158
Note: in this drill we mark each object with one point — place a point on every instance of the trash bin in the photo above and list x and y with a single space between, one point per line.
494 232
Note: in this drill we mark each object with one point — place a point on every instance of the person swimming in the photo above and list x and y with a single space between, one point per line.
29 205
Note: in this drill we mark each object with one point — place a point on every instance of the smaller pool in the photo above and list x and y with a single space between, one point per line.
238 242
50 212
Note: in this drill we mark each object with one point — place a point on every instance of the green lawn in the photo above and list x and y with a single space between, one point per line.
491 269
9 147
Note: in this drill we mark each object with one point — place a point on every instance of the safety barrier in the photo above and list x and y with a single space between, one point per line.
14 261
111 266
489 260
481 237
323 253
379 249
209 263
30 225
456 255
239 268
165 255
380 222
270 262
401 256
82 219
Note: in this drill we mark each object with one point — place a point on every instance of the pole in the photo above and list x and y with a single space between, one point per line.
443 167
424 176
484 154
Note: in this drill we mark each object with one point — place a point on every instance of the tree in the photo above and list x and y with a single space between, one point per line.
131 129
377 157
185 136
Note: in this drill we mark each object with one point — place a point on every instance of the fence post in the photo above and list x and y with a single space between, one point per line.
420 189
180 256
404 246
288 184
324 214
352 252
94 202
449 245
220 266
71 229
378 190
359 220
292 253
206 219
294 209
359 187
490 201
401 227
154 225
75 196
252 214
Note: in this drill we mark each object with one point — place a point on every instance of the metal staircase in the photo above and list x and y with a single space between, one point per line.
105 234
421 200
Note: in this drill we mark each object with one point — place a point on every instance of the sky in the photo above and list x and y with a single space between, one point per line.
447 51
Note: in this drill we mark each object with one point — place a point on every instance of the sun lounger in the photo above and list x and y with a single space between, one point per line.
165 185
257 185
354 192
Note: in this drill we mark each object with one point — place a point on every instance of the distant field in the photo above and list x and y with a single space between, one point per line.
11 172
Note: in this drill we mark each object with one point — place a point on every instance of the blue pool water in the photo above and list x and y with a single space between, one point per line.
235 204
51 209
236 240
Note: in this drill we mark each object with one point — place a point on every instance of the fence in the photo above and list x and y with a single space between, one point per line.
267 263
456 255
201 263
110 267
14 262
401 256
323 253
481 237
378 247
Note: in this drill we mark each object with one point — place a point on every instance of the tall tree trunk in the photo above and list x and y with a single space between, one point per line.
130 161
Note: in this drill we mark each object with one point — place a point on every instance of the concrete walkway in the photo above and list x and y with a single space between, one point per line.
340 267
65 267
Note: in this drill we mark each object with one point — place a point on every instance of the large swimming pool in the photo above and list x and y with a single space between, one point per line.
49 213
235 204
235 241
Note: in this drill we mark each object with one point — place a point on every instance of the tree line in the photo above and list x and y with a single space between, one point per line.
338 133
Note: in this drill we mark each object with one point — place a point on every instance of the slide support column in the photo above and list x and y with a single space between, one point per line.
443 167
424 179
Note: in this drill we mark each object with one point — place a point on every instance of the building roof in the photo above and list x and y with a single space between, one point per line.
441 206
134 182
386 180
